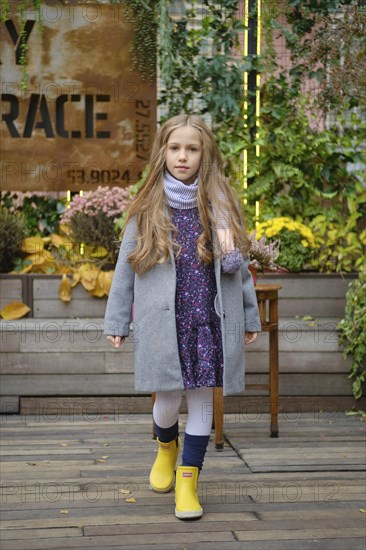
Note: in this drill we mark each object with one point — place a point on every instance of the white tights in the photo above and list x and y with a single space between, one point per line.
200 409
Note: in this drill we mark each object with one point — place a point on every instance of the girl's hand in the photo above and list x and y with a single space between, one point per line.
250 337
116 341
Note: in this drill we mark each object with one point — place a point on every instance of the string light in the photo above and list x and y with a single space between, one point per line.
258 78
245 105
82 245
257 95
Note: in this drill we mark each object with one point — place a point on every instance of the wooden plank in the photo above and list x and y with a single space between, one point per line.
63 384
69 359
46 288
122 541
10 291
295 335
9 404
124 514
86 405
278 515
48 308
27 534
322 407
316 384
327 544
101 530
52 363
299 362
66 362
316 307
315 285
298 534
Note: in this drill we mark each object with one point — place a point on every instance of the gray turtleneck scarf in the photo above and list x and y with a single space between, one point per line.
183 196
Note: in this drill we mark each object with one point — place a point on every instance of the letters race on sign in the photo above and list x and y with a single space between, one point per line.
86 118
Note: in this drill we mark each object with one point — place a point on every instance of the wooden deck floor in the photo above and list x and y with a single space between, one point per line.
78 482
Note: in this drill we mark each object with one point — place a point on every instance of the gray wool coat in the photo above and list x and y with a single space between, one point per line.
157 364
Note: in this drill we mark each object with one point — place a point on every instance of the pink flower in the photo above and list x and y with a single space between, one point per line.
111 201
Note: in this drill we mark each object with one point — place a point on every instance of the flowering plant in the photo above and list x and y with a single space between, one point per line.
111 201
93 219
274 227
263 254
296 241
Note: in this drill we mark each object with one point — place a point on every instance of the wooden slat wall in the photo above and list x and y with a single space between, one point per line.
58 355
72 358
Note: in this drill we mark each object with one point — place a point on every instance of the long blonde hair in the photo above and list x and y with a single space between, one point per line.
214 195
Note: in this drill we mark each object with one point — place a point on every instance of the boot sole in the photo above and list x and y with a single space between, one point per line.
167 490
192 514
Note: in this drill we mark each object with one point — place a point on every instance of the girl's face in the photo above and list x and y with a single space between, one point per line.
184 152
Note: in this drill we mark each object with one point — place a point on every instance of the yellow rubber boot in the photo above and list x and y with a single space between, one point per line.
162 472
187 505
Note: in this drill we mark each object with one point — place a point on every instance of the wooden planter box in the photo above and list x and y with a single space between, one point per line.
40 293
57 360
315 294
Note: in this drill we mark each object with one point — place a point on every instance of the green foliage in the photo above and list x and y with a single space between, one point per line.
301 166
352 333
41 211
341 238
143 18
303 169
200 72
306 171
293 255
13 230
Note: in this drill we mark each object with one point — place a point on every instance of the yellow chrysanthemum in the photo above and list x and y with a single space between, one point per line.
272 228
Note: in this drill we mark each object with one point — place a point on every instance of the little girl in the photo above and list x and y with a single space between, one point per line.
183 265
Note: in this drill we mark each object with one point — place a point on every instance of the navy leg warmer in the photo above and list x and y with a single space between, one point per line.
194 450
166 434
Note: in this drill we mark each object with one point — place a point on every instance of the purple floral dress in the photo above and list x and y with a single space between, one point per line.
198 325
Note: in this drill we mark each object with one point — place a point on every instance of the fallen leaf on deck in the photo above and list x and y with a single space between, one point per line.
106 456
64 511
100 460
130 499
124 491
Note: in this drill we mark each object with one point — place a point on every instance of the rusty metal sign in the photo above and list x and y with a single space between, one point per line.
86 118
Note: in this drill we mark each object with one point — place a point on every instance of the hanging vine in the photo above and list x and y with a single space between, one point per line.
141 14
22 7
